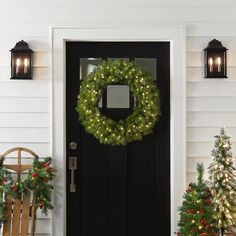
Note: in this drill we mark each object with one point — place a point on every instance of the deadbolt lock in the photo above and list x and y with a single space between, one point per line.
73 145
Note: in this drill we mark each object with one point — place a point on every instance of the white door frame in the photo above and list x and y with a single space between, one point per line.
177 38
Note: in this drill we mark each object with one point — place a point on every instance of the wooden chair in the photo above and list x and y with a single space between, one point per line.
20 213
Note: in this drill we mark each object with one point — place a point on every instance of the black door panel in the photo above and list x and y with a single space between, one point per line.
120 190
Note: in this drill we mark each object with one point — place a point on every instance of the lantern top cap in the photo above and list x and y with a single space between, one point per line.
215 45
21 46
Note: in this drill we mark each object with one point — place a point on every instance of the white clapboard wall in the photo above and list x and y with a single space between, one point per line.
211 103
25 106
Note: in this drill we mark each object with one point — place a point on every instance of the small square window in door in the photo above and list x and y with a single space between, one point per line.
118 96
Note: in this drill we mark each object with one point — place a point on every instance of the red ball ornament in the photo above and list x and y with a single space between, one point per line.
45 180
194 230
202 210
41 204
203 222
191 211
35 175
208 201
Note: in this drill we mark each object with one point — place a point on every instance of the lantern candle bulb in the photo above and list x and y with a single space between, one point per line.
26 65
211 64
18 64
219 64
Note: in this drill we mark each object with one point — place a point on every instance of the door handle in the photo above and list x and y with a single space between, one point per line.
72 167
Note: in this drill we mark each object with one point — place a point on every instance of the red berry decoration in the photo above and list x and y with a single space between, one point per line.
208 201
47 164
35 175
203 222
45 180
202 210
41 205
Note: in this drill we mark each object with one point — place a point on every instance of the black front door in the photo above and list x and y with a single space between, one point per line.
120 190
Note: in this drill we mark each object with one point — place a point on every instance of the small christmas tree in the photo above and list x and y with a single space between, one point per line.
196 212
222 183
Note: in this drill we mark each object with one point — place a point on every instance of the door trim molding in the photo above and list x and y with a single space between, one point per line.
176 35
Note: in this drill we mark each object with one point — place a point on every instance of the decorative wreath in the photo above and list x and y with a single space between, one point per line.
136 125
38 180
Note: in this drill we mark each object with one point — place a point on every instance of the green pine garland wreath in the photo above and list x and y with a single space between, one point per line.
136 125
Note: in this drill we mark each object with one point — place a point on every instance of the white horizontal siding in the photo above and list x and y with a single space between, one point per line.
211 103
11 134
23 105
203 149
197 44
43 149
211 88
206 134
24 120
201 119
37 39
16 88
126 12
79 3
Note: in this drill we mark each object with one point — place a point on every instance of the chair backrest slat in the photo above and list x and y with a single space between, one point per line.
16 217
7 224
25 214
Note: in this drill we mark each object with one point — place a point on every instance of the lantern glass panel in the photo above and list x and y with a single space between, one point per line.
21 65
216 64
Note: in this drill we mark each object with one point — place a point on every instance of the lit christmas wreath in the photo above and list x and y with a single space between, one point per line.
136 125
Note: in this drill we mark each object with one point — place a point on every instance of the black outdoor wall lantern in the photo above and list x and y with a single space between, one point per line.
215 60
21 61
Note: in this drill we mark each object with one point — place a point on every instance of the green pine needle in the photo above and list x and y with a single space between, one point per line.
200 171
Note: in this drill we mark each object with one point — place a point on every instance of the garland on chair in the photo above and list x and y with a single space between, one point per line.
6 183
146 113
37 180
